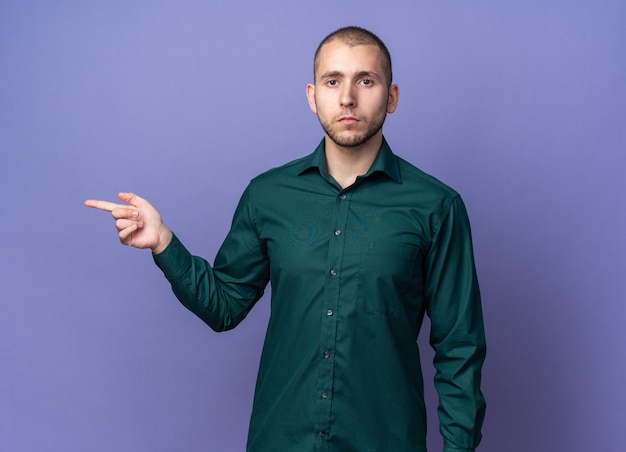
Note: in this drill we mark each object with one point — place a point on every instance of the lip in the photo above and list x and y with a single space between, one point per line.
348 120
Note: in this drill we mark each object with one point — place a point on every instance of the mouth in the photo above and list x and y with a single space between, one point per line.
348 120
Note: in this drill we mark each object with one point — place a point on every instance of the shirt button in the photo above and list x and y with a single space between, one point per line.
342 197
322 434
333 272
337 232
324 395
329 312
326 355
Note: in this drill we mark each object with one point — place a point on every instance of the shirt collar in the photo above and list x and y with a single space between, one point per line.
386 162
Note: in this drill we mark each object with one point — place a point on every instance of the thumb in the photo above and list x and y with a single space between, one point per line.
129 197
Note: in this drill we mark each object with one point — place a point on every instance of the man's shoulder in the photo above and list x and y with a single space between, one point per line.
418 179
427 194
279 173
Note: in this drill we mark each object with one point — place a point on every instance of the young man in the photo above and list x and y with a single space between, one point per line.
358 245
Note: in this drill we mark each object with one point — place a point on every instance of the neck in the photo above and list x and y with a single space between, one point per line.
345 164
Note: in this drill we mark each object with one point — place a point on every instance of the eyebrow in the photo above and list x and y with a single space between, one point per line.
331 74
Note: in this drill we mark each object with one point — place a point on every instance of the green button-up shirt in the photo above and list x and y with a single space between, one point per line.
352 272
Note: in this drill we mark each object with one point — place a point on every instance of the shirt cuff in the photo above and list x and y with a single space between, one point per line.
174 259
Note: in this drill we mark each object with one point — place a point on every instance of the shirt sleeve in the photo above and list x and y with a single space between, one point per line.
223 294
457 330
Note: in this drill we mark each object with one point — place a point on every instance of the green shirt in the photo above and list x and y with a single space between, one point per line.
352 273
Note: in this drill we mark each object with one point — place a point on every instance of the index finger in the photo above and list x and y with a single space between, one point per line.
103 205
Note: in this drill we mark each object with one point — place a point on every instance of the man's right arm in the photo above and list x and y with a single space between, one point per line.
222 294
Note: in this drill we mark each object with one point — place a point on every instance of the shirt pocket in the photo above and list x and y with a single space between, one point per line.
386 275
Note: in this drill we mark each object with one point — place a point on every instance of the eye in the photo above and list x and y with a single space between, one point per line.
332 82
367 82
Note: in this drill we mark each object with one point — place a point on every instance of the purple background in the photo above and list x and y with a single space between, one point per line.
521 106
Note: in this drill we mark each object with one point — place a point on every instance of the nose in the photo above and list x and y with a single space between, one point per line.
348 96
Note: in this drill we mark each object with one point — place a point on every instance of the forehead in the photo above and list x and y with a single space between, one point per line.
338 56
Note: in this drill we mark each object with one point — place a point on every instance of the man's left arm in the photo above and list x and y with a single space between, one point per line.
457 331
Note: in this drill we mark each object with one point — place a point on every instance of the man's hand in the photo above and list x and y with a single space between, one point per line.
138 223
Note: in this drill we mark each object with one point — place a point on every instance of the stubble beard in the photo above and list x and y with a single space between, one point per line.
353 140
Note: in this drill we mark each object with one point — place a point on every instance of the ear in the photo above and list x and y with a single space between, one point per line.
310 95
392 100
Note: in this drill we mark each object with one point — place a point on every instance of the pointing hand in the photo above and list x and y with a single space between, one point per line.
138 223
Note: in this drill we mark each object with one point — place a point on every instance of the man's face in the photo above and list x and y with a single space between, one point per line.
350 95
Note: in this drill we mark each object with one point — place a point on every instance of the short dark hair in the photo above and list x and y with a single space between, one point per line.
355 36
